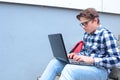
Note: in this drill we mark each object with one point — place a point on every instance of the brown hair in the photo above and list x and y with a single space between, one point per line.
89 13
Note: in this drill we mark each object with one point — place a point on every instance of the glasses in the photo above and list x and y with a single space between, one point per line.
85 23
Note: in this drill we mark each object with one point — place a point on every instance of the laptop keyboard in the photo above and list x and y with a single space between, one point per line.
72 61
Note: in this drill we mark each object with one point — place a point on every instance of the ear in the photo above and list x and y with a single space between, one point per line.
95 20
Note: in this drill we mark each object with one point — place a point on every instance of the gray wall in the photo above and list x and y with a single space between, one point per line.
24 45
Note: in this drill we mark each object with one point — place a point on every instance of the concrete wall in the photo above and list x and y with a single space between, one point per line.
24 45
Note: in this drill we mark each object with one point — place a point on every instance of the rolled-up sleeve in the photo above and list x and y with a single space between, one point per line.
112 51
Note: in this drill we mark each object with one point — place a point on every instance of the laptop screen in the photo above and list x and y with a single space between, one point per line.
58 47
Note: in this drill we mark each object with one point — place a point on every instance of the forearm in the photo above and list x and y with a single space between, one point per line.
107 62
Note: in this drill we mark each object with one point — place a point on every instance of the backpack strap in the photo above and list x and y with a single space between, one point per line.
77 48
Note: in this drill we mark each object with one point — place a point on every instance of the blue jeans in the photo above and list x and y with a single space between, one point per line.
73 72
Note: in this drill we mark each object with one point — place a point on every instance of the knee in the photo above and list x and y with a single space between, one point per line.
67 69
54 61
67 73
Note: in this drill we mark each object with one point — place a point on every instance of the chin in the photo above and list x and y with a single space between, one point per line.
88 32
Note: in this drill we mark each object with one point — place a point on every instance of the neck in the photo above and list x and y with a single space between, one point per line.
95 28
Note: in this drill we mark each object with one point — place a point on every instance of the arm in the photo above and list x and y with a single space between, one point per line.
111 50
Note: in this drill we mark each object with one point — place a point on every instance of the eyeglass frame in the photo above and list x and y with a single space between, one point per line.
85 23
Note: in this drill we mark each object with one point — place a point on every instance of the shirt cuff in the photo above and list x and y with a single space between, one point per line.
97 61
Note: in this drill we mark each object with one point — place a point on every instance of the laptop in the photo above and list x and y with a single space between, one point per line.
59 50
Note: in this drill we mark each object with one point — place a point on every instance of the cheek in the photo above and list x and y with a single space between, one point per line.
90 29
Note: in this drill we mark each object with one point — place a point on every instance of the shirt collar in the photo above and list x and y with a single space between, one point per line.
98 30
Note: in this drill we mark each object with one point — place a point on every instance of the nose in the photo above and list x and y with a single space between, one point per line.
83 26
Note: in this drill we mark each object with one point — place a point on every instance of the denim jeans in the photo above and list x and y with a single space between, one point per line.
73 72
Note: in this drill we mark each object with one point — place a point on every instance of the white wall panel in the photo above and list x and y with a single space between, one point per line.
82 4
111 6
77 4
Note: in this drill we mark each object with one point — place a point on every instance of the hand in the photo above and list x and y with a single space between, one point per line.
85 59
71 55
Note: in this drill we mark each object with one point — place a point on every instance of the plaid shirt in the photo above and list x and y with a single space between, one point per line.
102 46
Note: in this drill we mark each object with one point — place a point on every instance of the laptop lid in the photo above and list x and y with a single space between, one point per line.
58 47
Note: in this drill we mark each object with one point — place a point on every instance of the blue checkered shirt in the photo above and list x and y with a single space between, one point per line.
102 46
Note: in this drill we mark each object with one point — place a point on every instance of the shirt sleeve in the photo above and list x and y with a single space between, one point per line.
112 57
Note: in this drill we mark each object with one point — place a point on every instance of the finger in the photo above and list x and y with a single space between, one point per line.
70 55
81 59
76 57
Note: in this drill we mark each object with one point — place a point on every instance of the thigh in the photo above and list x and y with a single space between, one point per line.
79 72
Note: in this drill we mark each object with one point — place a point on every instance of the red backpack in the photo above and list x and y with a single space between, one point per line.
77 48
